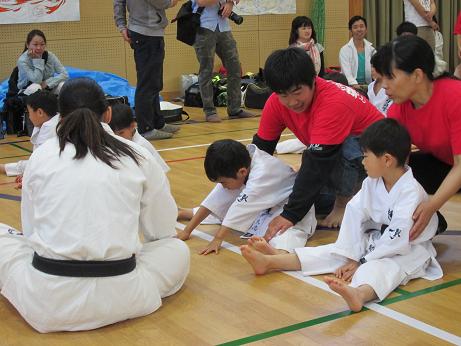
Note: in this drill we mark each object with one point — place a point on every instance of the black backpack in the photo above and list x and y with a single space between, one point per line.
14 106
188 23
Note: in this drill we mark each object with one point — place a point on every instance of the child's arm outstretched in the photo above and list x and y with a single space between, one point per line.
198 217
215 244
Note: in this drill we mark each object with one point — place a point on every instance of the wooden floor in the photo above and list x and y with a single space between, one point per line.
222 300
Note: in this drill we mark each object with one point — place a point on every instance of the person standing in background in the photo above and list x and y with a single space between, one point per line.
144 32
420 13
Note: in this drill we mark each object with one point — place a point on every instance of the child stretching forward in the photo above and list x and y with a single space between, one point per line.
373 250
42 107
124 124
252 188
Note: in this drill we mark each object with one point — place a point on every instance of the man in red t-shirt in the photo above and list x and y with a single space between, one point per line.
328 118
457 32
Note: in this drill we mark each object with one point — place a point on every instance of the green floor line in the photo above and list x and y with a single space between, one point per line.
19 147
421 292
401 291
13 157
288 329
320 320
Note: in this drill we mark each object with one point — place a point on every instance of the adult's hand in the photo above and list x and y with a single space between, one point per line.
277 225
33 54
227 9
421 216
125 35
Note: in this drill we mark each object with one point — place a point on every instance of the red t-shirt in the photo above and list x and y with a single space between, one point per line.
335 113
434 128
457 30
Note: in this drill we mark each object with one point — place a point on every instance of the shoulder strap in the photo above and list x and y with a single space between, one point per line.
200 10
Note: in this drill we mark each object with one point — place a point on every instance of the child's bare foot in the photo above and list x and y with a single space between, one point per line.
185 214
333 220
351 295
260 244
256 259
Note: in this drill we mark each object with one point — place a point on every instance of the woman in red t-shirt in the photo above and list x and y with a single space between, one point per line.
431 116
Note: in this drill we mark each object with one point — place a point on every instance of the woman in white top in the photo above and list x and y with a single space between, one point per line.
87 195
303 35
354 57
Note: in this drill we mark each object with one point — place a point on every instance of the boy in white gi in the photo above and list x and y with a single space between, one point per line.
124 125
42 107
373 251
252 188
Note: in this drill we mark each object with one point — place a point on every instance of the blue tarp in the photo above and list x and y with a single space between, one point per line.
111 84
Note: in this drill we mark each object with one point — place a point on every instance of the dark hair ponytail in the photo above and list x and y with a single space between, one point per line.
80 124
83 130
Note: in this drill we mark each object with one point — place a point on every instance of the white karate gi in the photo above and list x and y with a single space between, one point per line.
392 259
39 136
85 210
380 100
290 146
137 138
251 208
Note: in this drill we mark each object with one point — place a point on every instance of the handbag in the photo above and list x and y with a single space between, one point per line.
256 95
188 23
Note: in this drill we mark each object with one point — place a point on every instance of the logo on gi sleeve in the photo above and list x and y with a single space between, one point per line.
242 198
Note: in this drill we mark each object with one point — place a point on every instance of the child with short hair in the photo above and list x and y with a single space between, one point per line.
376 93
373 251
252 188
42 107
123 123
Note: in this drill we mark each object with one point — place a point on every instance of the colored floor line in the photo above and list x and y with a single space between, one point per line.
401 291
208 144
13 157
10 197
380 309
14 142
22 148
186 159
215 133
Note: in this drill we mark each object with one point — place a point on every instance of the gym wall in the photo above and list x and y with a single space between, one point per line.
94 43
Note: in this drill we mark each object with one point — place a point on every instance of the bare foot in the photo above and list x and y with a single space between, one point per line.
350 294
333 220
260 244
256 259
185 214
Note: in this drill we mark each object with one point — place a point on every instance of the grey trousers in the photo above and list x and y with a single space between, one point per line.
207 43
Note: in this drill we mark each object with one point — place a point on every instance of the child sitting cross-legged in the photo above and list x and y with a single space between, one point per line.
123 123
42 107
252 188
373 254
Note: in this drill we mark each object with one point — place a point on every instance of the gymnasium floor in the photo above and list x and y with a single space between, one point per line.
223 302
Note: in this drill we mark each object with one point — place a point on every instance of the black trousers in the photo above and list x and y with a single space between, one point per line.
428 170
149 53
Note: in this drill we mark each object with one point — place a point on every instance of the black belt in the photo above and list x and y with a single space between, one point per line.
75 268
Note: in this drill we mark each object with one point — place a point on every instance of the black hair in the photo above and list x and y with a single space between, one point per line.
299 22
387 136
45 100
356 19
406 27
288 68
122 117
406 53
32 34
337 77
82 104
224 158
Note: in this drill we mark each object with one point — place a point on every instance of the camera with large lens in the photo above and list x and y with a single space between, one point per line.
233 17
